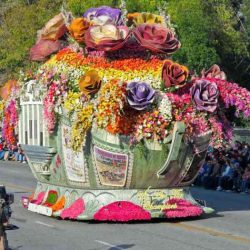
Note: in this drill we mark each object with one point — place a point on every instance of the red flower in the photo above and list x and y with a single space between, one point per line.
174 74
156 38
44 48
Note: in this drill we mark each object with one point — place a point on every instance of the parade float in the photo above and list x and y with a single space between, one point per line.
112 128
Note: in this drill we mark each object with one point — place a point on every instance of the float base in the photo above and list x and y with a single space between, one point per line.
115 204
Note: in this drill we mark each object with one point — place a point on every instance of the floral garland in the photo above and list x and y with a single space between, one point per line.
49 103
110 103
72 102
10 123
81 124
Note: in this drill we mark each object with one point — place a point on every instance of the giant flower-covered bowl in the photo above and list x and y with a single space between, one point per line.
107 130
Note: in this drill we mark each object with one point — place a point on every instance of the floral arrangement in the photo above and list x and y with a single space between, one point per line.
81 124
117 75
121 211
122 80
110 103
10 123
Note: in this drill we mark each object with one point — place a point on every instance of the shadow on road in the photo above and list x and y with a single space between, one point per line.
124 246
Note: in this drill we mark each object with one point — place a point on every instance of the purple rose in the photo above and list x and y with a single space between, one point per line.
140 95
104 15
205 95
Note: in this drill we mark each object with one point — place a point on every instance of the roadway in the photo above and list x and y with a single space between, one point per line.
228 229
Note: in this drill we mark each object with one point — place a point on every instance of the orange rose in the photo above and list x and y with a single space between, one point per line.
78 28
90 82
174 74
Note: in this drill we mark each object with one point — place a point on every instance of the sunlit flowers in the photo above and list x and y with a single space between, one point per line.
214 72
43 49
54 28
5 91
10 122
80 126
110 103
151 126
72 102
165 107
2 107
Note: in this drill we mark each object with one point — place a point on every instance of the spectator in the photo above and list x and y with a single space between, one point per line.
226 178
245 184
227 169
20 155
5 151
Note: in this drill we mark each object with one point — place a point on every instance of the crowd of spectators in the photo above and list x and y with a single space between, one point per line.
11 152
227 169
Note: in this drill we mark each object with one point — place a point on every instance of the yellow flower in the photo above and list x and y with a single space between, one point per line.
141 18
2 107
80 126
90 82
72 101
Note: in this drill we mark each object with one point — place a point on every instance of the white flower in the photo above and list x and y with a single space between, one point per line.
165 107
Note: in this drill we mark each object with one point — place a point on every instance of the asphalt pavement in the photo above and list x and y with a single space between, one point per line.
228 229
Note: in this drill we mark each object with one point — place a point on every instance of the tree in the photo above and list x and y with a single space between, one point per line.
18 32
192 26
226 36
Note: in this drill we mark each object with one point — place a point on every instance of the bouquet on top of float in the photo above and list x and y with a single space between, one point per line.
117 75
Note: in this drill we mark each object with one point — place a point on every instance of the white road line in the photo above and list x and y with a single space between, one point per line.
42 223
109 245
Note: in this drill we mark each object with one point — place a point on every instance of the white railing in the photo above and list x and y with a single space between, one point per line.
31 127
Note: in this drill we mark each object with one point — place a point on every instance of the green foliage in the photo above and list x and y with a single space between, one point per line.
78 7
197 51
18 33
228 38
144 5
